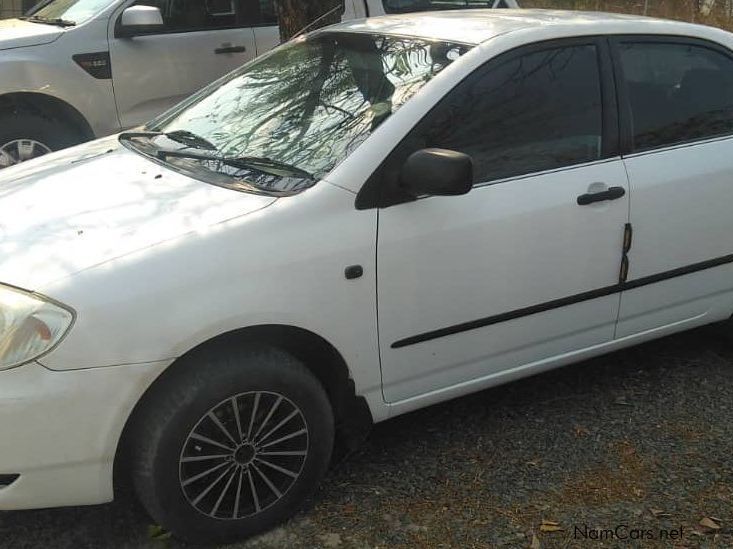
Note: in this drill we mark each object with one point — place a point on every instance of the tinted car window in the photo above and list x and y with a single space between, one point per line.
259 13
408 6
678 92
532 113
268 14
190 15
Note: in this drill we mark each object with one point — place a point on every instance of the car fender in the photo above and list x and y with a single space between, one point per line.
51 71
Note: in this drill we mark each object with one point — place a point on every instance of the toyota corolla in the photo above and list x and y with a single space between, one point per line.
376 217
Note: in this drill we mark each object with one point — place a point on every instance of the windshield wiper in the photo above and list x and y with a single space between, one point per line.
134 134
191 139
265 165
184 137
49 21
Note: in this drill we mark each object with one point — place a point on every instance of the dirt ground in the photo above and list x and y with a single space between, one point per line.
633 449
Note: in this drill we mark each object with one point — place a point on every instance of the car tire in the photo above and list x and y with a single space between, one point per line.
268 473
46 134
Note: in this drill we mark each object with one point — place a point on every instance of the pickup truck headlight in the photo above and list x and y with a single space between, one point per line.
30 326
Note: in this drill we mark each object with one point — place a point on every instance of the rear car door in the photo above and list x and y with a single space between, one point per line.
524 268
677 106
202 41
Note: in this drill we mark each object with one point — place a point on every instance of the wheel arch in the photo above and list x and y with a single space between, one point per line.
48 106
351 412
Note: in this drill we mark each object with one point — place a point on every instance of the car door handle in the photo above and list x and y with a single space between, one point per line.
230 49
612 193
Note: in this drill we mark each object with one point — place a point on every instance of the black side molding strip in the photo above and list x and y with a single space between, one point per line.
674 273
562 302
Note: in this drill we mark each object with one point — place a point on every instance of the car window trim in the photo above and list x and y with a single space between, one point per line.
369 196
563 169
265 25
626 129
682 145
118 25
179 31
492 182
511 179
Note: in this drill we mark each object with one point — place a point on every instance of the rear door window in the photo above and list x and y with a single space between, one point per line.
677 92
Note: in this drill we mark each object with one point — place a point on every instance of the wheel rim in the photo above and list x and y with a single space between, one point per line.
243 455
20 150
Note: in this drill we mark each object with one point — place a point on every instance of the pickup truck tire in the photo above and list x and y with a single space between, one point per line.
263 464
25 135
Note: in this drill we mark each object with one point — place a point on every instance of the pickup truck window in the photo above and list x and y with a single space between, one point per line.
260 12
192 15
303 108
409 6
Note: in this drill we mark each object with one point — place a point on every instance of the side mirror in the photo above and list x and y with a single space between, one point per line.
139 20
437 172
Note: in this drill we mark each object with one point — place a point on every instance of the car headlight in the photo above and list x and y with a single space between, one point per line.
30 326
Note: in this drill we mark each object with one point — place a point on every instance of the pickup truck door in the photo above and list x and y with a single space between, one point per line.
203 40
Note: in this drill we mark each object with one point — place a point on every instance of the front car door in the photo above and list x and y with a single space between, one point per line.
202 41
677 95
515 273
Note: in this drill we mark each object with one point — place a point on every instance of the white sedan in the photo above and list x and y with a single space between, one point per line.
374 218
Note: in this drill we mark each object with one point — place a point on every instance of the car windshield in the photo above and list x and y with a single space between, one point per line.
73 11
287 119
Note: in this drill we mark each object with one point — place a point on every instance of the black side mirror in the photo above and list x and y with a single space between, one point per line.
437 172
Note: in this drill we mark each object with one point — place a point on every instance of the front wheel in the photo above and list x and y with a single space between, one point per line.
230 445
26 135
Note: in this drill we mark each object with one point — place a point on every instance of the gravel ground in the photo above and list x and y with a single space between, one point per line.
640 438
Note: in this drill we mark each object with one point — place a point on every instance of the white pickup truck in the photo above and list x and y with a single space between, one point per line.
72 70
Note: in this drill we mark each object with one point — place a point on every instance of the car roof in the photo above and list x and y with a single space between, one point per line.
475 26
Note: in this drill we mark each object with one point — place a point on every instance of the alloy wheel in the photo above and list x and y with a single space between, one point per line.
20 150
243 455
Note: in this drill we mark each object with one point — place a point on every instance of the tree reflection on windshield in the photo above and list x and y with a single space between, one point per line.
311 103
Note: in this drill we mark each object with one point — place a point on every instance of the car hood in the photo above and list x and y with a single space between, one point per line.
15 33
84 207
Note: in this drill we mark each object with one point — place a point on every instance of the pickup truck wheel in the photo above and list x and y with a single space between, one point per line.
26 135
231 444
